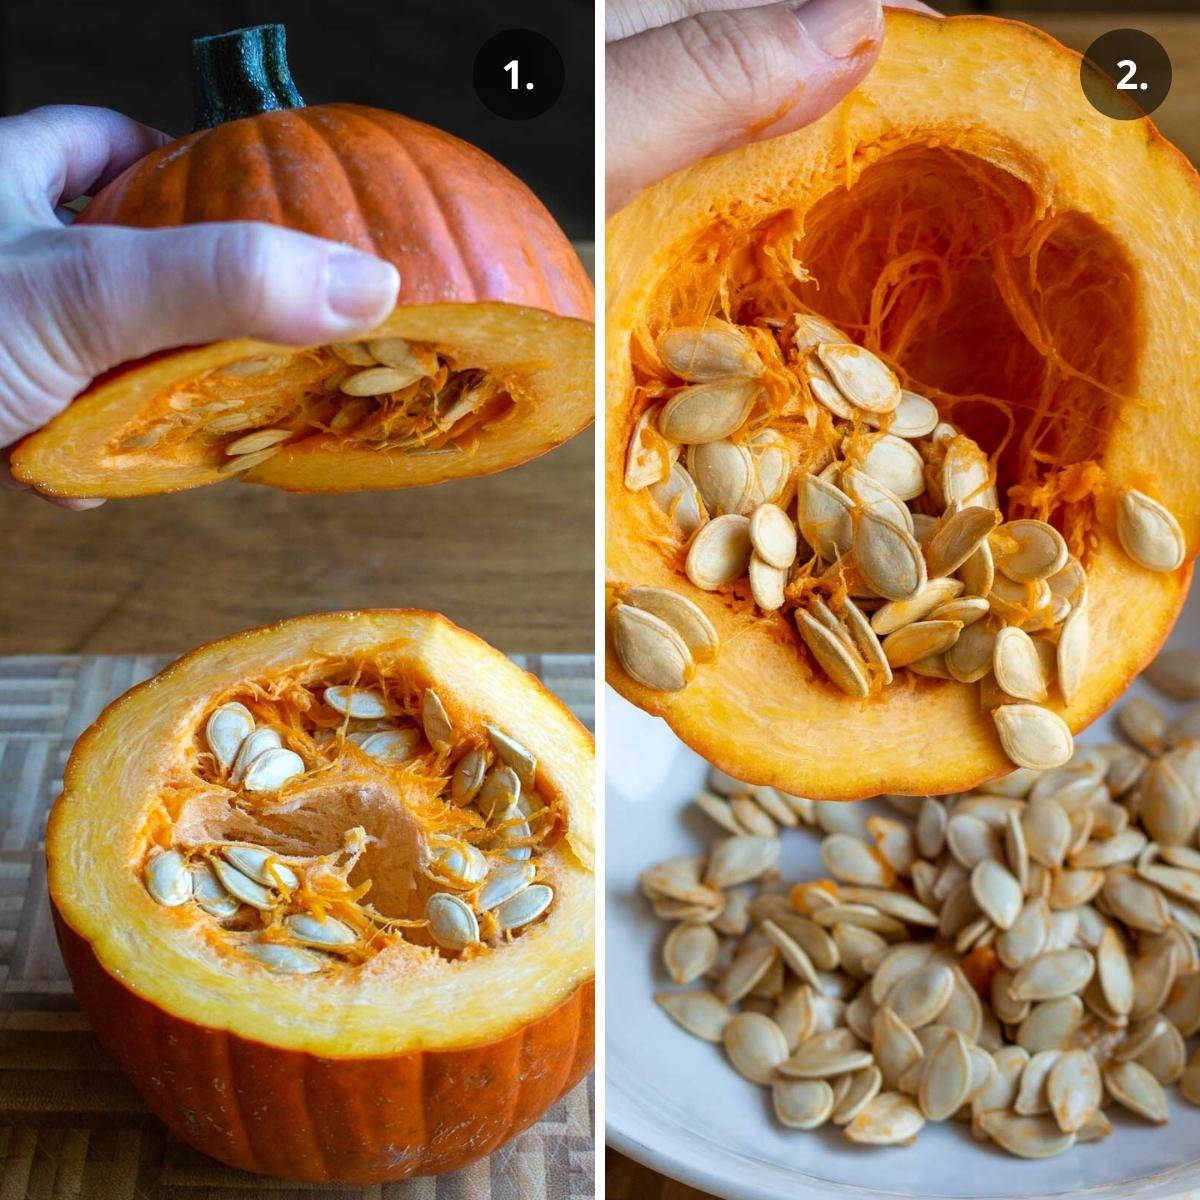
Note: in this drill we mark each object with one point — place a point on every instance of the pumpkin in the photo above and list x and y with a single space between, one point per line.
491 336
372 1006
1007 252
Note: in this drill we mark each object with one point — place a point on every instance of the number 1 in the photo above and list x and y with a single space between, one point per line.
512 66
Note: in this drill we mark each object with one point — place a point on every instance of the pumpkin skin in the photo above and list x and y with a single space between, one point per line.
485 273
379 1081
762 711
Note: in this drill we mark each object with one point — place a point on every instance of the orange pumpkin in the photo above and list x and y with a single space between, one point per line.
492 293
275 1042
1013 257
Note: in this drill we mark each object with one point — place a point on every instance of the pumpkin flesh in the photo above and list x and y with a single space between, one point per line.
981 248
397 1057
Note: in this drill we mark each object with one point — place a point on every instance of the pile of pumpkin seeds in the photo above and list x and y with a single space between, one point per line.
898 556
481 887
387 393
1018 958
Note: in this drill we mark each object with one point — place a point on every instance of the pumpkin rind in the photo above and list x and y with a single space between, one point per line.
760 712
352 1082
484 269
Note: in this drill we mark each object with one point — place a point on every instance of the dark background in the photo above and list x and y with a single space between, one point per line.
409 56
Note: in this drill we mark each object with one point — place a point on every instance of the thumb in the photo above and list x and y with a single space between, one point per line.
717 80
123 293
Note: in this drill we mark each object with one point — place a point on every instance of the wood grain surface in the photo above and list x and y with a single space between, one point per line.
71 1125
1178 119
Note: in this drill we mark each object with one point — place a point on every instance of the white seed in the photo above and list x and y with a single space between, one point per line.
272 769
1033 737
244 888
967 475
683 615
1149 533
996 892
650 456
210 893
651 651
767 584
285 960
945 1078
261 865
918 999
1017 665
1072 653
468 777
824 514
842 664
714 349
257 744
773 536
226 729
724 473
707 412
452 924
895 614
678 496
802 1103
1052 974
888 557
861 377
720 552
168 879
529 904
391 745
890 1119
896 464
1026 1136
504 883
1028 550
755 1045
738 860
312 931
1135 1089
360 703
919 640
852 861
701 1013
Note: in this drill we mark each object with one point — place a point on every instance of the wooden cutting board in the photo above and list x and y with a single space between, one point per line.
71 1125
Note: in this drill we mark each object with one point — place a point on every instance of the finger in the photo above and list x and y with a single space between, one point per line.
624 18
158 288
66 151
717 80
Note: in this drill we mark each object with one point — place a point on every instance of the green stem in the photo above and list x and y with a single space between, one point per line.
240 74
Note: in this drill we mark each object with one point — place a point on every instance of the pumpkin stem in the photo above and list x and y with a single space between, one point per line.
240 74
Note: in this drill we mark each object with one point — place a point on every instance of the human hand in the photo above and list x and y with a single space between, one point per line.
75 302
690 78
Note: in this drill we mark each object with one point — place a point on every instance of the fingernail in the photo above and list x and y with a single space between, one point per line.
360 286
841 28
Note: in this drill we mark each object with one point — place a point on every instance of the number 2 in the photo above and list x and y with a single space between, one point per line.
1126 83
512 66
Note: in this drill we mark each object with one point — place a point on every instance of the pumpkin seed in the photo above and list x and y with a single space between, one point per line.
888 557
1135 1089
755 1045
1026 1136
650 456
890 1119
945 1078
257 744
712 350
168 879
1028 550
1176 672
243 888
840 663
824 1055
724 473
740 859
452 924
210 894
651 652
802 1103
701 1013
919 640
1017 665
261 865
861 377
824 514
285 960
970 658
1149 533
503 884
391 746
894 463
1033 737
359 703
226 730
327 933
956 539
773 536
707 412
678 496
719 553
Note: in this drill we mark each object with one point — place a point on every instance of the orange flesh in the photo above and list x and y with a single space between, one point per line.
383 895
1020 324
196 419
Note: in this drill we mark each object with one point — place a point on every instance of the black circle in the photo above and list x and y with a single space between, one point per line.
538 74
1125 74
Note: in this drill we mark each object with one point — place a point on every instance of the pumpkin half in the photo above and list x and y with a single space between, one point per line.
324 890
487 358
1009 253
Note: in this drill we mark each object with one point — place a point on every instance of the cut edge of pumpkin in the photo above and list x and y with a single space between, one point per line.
546 358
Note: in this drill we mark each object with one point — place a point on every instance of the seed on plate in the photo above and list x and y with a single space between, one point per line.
890 1119
997 892
651 652
1026 1136
689 952
1149 532
851 860
739 859
1135 1089
701 1013
919 998
835 1052
1050 1025
1053 973
802 1103
755 1045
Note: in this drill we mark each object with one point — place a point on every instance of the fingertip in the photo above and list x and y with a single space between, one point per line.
360 289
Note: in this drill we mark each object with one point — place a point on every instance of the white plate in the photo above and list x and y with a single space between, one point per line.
674 1102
